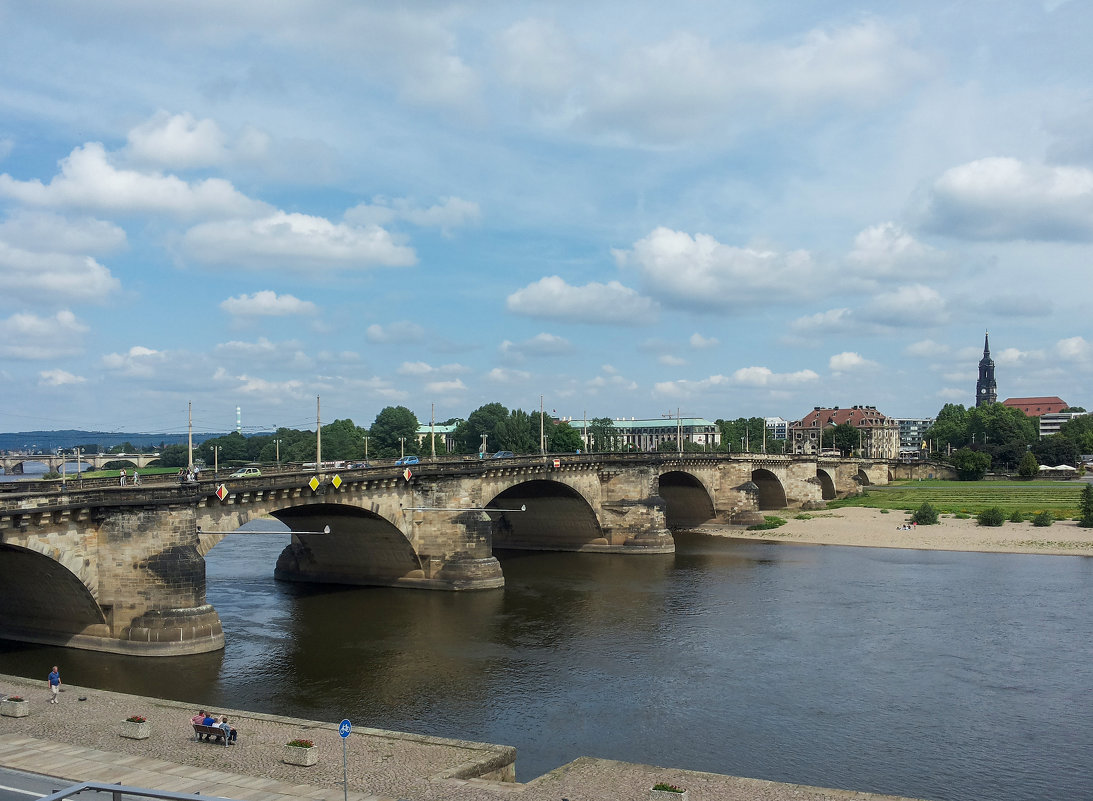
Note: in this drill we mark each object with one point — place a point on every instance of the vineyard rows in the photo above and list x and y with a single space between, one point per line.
1060 498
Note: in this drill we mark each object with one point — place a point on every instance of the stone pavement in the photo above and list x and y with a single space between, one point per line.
77 740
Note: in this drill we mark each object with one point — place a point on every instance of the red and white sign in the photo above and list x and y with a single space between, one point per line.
221 492
406 474
557 462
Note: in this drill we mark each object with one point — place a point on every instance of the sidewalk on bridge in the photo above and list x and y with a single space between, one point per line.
79 741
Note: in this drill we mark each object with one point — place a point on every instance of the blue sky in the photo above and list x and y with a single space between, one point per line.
729 209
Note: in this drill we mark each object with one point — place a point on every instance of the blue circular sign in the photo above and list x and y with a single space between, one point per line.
344 728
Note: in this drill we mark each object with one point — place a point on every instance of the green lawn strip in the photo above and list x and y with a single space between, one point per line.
952 497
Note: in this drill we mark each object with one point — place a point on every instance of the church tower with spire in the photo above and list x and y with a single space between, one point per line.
986 391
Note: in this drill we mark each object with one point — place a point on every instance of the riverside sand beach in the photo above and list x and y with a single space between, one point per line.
861 526
78 739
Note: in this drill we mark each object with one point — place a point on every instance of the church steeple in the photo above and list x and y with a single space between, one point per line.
986 391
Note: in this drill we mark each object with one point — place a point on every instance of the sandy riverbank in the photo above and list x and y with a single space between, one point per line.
870 527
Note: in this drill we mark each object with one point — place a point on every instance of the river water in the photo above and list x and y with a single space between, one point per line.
928 674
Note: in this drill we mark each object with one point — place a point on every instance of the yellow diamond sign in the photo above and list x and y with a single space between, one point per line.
314 483
336 481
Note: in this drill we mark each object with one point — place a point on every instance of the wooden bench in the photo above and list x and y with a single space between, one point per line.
214 732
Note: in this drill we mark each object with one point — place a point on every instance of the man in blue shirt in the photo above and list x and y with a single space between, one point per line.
54 684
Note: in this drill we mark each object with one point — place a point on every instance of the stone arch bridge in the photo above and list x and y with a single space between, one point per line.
122 569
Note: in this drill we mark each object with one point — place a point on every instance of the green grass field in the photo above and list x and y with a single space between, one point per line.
1061 498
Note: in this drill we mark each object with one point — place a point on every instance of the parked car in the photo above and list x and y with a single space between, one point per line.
503 455
408 460
359 465
246 472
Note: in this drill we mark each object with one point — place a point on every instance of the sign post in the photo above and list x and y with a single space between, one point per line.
343 729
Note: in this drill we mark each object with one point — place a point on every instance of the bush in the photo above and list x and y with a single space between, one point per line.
884 511
301 743
962 516
769 522
1043 519
991 517
1017 516
925 515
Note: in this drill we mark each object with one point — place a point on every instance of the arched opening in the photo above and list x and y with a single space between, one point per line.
557 518
686 502
863 478
39 594
827 485
361 548
772 495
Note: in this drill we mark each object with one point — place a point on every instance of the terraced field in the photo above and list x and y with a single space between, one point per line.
1058 497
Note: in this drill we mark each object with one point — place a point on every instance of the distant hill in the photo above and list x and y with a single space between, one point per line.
41 441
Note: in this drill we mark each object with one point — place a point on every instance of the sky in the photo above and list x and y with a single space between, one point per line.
619 209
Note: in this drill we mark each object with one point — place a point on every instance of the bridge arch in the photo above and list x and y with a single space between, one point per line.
362 547
687 502
827 484
38 593
863 477
557 517
772 495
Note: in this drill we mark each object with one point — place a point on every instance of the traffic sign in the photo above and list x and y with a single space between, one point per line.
344 728
221 492
314 483
557 462
406 474
336 481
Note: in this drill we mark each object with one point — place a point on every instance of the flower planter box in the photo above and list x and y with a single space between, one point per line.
667 795
297 755
14 709
135 731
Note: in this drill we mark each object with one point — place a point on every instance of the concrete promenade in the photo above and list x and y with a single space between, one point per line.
78 740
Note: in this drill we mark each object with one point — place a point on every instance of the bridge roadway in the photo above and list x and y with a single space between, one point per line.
122 569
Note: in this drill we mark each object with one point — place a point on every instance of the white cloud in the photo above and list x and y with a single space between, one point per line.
687 85
914 306
1076 349
137 361
1005 199
445 387
58 378
926 348
267 303
765 377
669 360
699 342
53 277
848 361
553 298
177 141
832 320
502 375
28 336
1010 357
701 273
47 232
886 250
450 213
422 369
542 344
686 389
400 332
295 241
88 180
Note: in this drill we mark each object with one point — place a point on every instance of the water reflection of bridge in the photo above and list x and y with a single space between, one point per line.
122 568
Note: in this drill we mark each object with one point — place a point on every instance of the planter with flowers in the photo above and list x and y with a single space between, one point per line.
135 727
300 752
667 792
14 706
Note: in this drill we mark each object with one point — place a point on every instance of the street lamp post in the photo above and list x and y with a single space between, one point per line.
277 451
402 447
216 460
366 449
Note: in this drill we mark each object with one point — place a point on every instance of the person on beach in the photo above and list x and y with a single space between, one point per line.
229 730
199 717
54 684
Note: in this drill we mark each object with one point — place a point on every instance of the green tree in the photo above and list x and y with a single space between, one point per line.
393 432
344 440
1086 505
603 435
1029 467
925 515
743 433
844 437
564 438
950 427
1079 430
970 465
1056 450
514 433
483 420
